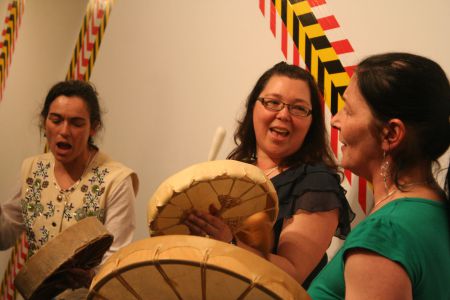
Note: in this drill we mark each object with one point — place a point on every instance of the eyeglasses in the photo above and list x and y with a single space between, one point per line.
277 105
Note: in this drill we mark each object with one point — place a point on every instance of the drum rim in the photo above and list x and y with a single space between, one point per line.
155 207
168 261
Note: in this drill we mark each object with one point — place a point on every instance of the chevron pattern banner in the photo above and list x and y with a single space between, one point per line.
10 34
81 66
18 258
311 37
89 39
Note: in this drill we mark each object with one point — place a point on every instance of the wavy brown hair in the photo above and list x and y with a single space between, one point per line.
315 148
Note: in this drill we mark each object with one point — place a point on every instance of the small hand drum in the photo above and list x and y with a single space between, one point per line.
189 267
81 245
239 190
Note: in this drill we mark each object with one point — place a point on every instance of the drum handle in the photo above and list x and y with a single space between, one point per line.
217 141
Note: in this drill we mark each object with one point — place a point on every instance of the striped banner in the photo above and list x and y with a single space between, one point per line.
81 66
89 39
10 33
18 258
311 37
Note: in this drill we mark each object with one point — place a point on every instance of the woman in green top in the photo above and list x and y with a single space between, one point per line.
393 127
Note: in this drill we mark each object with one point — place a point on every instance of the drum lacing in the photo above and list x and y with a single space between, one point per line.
249 288
163 274
204 267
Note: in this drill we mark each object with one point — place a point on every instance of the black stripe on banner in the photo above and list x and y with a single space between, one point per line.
13 19
335 91
88 71
284 11
101 31
296 1
334 66
307 52
96 46
321 76
307 19
320 42
295 30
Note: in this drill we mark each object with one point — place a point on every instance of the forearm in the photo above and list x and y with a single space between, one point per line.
11 222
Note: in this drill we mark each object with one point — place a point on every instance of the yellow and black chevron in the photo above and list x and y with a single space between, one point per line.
9 36
315 49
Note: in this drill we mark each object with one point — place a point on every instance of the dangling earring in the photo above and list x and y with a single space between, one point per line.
385 171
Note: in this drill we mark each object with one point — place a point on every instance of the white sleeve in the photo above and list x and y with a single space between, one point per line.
11 221
120 215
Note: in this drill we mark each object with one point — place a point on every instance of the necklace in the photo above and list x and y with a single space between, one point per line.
269 171
64 193
385 197
406 185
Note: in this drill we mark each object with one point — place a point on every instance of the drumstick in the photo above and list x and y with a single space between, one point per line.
217 141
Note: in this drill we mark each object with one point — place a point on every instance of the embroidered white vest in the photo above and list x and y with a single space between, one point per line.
47 211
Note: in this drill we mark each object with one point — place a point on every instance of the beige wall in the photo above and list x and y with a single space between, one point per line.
170 72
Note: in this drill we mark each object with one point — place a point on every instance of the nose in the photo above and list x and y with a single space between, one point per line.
284 113
335 121
65 128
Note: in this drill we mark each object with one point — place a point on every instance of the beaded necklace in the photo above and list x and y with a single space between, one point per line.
64 194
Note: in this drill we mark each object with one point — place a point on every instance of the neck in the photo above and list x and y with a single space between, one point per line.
68 173
264 162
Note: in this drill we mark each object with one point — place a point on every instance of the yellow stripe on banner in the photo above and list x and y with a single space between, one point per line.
327 54
313 31
301 42
314 69
300 8
290 20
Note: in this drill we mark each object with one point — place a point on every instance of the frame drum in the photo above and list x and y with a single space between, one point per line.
81 245
190 267
239 190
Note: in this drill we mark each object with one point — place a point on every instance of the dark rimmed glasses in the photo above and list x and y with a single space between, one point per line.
277 105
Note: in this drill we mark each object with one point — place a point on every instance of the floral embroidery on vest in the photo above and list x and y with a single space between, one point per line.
91 196
32 207
44 216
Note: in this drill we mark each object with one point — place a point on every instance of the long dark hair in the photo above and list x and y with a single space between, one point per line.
415 90
315 147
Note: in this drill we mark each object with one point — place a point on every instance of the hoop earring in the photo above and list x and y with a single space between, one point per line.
385 171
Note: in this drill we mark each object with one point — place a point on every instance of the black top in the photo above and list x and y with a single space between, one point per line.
312 188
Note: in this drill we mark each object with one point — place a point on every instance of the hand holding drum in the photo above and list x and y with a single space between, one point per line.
242 196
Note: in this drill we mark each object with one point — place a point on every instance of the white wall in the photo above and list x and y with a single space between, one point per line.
170 72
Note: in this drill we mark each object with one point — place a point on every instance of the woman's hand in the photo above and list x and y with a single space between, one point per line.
209 225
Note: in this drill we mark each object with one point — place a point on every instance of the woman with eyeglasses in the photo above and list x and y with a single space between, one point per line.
283 133
393 127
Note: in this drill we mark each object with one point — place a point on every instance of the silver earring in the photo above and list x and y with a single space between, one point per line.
385 171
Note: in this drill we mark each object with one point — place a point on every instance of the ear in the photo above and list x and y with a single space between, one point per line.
393 134
93 130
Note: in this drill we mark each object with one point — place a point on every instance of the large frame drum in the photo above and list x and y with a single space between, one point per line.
190 267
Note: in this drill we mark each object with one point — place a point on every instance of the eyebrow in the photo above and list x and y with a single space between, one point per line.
295 100
52 114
